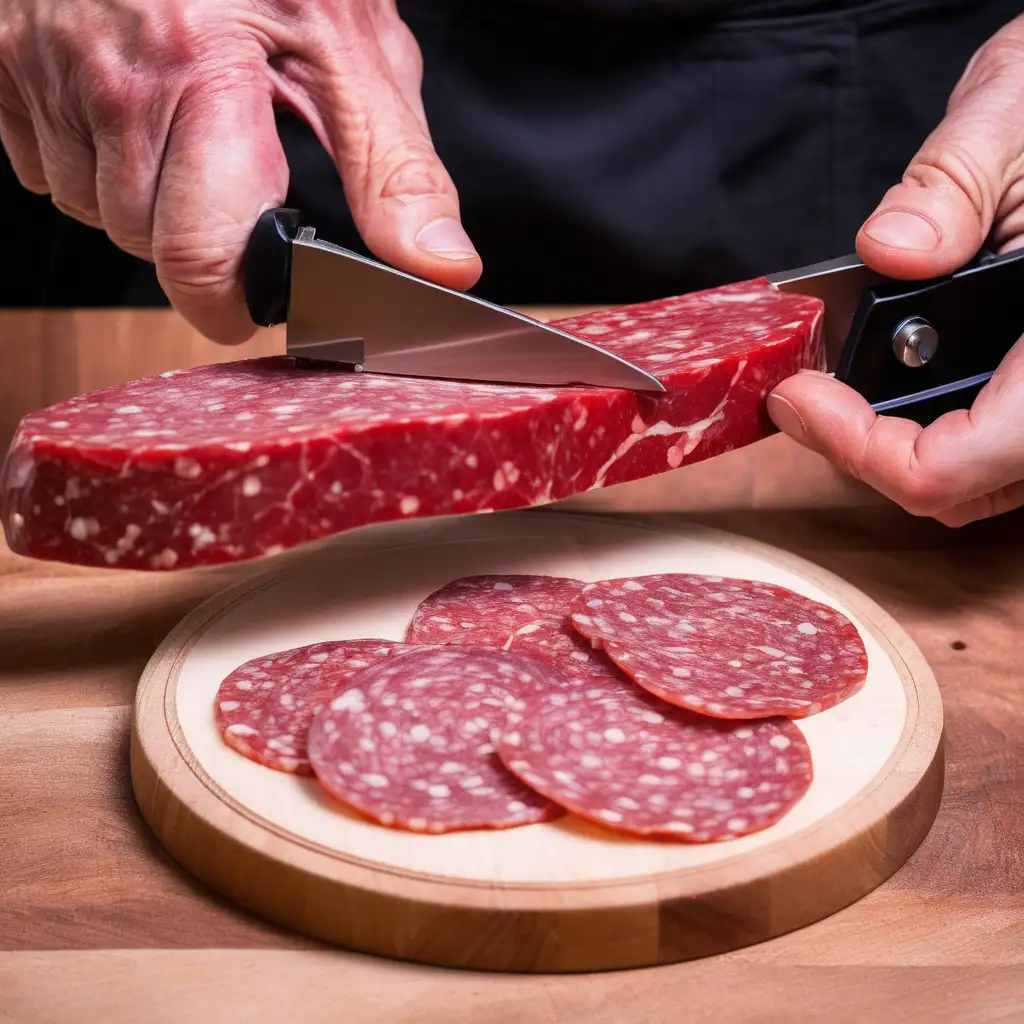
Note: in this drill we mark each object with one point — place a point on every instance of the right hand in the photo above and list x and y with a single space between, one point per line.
154 121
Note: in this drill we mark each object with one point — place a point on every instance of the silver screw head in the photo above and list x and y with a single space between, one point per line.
915 341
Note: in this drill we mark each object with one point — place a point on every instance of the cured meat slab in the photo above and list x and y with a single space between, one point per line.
265 707
634 764
235 461
412 743
728 648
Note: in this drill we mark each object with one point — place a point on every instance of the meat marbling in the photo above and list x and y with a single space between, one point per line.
234 461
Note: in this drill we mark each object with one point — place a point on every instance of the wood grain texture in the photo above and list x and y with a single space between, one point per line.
603 909
308 988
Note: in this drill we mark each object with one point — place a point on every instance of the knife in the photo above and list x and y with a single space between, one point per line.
916 349
913 348
349 312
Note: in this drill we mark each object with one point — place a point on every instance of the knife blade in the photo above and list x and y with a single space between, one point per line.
917 349
351 312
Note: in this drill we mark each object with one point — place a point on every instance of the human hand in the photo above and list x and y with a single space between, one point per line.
154 120
964 188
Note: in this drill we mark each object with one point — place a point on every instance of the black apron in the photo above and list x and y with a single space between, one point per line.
609 151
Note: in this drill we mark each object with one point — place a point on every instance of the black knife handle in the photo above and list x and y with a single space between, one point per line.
978 314
267 266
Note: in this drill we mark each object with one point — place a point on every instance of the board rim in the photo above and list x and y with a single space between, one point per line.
908 786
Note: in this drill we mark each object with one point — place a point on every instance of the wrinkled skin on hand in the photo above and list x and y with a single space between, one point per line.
965 187
154 120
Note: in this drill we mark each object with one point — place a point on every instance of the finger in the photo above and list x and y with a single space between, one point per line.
402 198
1008 233
401 53
958 458
940 214
223 166
69 164
400 50
129 154
1006 499
18 138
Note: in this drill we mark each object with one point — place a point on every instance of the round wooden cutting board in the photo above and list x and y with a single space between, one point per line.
557 896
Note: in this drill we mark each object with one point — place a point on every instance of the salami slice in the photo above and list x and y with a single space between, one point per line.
524 614
412 744
265 708
728 648
633 764
492 610
235 461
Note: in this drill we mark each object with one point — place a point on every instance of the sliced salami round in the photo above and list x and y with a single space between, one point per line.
491 610
412 744
524 614
632 763
265 708
728 648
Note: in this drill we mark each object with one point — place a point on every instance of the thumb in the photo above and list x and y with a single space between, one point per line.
223 166
940 215
402 199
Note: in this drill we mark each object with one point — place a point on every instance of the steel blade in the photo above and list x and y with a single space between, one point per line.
839 283
346 308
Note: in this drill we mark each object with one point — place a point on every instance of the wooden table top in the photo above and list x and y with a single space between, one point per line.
97 924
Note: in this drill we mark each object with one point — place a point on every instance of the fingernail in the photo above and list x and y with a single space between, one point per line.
786 417
903 230
446 238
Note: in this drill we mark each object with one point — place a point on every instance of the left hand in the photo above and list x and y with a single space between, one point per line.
965 187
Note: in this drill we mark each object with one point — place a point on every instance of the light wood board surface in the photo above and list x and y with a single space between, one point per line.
556 896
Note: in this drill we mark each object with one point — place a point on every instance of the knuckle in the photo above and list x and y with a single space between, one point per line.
956 162
130 238
409 169
845 465
1001 57
401 48
109 98
101 68
953 520
13 44
197 265
924 492
85 215
70 167
292 10
894 464
31 180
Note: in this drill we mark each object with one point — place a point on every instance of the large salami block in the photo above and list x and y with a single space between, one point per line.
233 461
